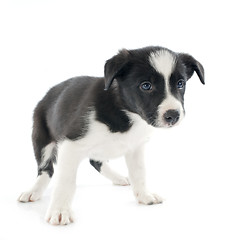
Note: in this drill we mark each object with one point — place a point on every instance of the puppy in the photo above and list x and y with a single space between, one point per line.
105 118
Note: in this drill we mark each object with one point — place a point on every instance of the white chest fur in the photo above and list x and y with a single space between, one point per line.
100 144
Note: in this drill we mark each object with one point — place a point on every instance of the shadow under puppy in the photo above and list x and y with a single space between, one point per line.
105 118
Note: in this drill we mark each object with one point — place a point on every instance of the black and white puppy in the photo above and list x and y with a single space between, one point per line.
105 118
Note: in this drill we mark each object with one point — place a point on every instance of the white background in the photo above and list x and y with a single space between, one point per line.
192 166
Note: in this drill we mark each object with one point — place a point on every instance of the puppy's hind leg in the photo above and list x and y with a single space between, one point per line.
45 172
45 154
106 171
37 190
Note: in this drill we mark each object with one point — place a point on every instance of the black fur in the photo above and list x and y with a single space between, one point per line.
96 164
109 110
41 138
64 111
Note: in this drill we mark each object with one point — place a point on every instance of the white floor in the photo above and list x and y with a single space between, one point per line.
192 166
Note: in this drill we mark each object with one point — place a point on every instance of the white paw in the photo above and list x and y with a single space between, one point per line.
148 198
61 216
121 181
30 196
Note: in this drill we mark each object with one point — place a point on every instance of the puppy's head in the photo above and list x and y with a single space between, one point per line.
151 82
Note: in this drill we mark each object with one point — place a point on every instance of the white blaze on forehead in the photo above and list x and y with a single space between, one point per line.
163 62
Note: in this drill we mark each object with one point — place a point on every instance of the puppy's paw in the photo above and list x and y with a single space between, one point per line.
29 196
121 181
62 216
148 198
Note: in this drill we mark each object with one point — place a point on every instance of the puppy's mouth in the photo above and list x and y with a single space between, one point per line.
166 125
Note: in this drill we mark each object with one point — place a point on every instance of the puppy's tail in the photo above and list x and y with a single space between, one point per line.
44 147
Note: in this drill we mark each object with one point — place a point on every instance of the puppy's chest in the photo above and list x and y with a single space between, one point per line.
101 144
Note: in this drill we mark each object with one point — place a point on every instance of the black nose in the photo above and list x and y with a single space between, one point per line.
171 117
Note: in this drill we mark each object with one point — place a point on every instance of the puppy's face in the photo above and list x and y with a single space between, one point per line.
151 82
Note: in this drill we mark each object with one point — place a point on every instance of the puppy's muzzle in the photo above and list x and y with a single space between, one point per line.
171 117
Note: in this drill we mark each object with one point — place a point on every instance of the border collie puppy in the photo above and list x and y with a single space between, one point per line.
102 118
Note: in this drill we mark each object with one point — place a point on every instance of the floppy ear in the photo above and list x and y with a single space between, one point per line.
115 67
192 65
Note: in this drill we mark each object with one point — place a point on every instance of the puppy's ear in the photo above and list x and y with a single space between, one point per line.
192 65
115 67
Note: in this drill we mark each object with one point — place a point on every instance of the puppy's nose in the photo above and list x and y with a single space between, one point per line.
171 117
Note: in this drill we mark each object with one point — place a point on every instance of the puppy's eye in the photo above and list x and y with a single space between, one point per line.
180 84
146 86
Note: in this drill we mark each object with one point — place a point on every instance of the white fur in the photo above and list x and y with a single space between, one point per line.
47 153
136 169
101 144
169 103
42 180
37 190
116 178
69 156
164 62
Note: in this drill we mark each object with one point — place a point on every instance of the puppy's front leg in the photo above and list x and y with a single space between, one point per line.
136 169
59 211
